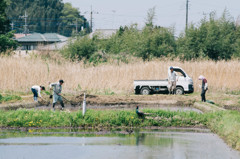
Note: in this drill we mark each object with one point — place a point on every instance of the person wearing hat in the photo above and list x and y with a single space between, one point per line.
36 90
57 89
172 81
204 87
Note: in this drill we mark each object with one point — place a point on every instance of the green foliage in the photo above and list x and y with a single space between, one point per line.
95 118
6 41
227 125
214 38
148 43
4 22
9 98
81 48
45 16
69 18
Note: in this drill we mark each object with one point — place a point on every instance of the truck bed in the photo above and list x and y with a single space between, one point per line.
163 82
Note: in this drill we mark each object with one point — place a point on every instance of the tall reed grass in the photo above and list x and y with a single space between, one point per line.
19 74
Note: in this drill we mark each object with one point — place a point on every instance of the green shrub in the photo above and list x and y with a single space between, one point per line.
81 48
9 98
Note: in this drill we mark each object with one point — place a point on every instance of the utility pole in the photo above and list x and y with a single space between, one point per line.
12 26
25 26
187 15
91 19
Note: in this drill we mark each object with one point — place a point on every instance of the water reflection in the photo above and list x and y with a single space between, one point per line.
117 144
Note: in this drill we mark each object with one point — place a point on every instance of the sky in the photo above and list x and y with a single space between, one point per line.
111 14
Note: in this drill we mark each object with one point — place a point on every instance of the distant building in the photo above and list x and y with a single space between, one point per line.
38 41
103 33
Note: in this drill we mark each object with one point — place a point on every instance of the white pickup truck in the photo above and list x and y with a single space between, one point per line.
184 84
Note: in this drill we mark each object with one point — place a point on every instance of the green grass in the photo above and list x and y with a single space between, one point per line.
9 97
94 118
237 92
225 123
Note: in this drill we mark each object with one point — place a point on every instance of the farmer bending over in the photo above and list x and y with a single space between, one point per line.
37 92
204 87
57 89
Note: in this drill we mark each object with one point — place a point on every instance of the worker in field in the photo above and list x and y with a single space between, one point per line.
204 87
36 90
57 89
172 81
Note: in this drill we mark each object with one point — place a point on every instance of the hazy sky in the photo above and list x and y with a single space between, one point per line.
110 14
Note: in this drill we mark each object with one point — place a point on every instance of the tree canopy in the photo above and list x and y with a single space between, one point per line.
44 16
213 38
6 41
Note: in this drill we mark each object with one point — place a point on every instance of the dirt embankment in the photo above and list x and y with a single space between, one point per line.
113 101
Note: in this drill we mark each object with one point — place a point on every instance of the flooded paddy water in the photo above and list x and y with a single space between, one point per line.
118 144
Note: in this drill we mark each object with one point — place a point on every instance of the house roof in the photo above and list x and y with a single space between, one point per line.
103 33
17 36
47 37
55 46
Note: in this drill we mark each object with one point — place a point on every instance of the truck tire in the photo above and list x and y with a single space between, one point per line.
145 91
179 91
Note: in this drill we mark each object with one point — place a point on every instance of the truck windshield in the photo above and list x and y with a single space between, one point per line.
179 72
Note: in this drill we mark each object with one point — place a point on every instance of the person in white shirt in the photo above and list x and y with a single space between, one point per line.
172 81
36 90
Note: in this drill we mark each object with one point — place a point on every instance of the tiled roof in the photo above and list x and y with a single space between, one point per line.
47 37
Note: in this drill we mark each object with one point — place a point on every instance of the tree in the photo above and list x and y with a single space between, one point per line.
6 41
213 38
151 14
44 16
71 20
4 22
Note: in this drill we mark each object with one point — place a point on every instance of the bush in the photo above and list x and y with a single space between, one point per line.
214 38
80 48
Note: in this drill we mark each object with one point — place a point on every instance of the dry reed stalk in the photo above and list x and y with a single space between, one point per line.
19 74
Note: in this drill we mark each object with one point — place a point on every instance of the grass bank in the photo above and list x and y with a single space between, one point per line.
95 118
9 97
224 123
227 125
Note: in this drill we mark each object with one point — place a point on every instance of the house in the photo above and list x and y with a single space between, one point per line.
103 33
37 41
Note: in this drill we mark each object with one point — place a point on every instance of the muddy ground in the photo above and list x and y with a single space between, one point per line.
74 103
173 102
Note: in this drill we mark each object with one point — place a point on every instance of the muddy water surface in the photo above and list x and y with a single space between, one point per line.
166 144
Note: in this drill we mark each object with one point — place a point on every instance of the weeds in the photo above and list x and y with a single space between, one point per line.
20 74
8 97
235 92
227 125
93 118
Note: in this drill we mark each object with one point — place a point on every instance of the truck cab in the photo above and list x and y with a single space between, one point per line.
184 84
